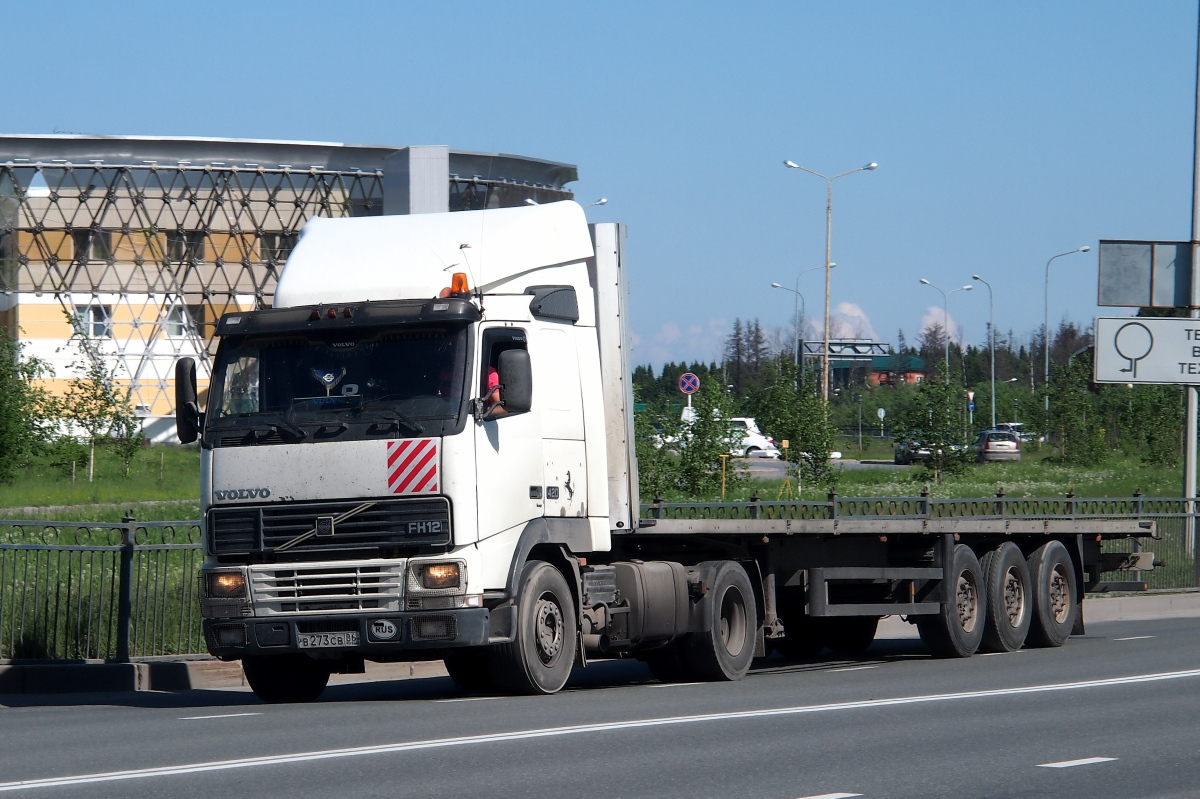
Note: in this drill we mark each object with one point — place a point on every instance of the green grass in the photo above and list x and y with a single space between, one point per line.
1034 476
43 484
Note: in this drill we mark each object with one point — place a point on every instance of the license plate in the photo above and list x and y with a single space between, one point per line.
326 640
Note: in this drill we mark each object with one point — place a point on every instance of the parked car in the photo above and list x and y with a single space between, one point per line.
909 450
754 443
1018 428
997 445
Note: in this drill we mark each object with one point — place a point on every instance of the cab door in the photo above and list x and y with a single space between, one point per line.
508 448
556 383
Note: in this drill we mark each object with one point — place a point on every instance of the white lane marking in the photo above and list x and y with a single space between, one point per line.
1133 638
832 796
1085 761
221 716
854 668
554 732
468 699
993 654
672 684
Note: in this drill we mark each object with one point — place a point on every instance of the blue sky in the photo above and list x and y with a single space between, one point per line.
1005 133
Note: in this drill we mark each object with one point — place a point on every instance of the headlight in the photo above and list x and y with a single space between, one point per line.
226 585
440 576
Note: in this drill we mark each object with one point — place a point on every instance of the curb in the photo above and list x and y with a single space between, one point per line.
209 675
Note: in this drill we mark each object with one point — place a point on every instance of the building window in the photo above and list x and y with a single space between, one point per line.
185 245
277 246
177 323
92 245
95 320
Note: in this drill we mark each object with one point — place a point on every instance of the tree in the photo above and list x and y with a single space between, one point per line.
933 418
94 403
1074 417
792 409
26 409
703 440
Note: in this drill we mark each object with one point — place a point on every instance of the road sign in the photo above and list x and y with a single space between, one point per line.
881 413
689 383
971 397
971 406
1162 350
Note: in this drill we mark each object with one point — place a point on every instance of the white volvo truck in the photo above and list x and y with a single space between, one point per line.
424 450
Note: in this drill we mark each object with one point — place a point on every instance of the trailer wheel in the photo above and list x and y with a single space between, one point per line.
285 678
470 670
1054 595
540 657
1009 590
957 629
850 635
725 649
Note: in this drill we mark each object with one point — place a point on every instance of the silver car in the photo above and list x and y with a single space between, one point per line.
997 445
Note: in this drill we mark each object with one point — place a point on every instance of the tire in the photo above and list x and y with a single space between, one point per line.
1055 595
724 651
540 657
667 663
1009 598
850 635
750 452
285 678
956 630
470 670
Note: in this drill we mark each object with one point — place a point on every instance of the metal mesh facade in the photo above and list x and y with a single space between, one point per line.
139 258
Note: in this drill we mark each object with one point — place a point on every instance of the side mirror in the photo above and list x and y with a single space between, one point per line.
187 411
516 375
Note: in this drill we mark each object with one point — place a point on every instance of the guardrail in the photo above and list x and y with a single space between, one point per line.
108 591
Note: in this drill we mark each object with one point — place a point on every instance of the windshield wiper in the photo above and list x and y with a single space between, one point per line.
392 415
280 423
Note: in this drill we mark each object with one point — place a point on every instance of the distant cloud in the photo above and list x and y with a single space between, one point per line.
935 314
698 342
847 320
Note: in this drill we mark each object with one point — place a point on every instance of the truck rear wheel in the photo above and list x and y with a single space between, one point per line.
725 649
956 630
470 670
1006 576
540 656
285 678
850 635
1054 595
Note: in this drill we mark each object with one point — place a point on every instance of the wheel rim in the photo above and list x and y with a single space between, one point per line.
1060 594
733 622
1014 597
548 628
968 603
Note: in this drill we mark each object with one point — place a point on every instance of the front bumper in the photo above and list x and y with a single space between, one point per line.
379 634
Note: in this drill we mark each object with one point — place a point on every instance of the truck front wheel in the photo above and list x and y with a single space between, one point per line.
285 678
956 630
540 656
725 649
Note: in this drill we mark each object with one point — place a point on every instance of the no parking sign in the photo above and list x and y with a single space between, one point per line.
689 383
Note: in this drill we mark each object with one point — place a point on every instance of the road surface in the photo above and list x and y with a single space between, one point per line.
1112 714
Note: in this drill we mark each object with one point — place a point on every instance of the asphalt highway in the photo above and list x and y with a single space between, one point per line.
1115 713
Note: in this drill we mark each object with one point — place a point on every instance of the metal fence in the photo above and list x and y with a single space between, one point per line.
119 590
99 591
1174 549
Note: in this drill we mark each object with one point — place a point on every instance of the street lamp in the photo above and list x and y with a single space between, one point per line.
798 305
991 342
1046 324
828 264
946 315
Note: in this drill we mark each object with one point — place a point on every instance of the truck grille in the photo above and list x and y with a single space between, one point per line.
351 586
385 523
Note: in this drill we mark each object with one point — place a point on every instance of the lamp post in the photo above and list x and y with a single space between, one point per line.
828 264
1046 323
798 304
946 315
991 342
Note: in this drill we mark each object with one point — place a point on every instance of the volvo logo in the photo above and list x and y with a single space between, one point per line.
243 493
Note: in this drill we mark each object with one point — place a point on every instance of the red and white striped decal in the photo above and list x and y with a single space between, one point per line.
413 466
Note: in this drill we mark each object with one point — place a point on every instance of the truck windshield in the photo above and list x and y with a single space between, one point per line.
405 377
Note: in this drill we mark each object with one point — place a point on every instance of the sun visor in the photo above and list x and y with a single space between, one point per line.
414 256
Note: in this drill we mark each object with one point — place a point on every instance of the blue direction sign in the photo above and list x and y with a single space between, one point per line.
971 406
689 383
